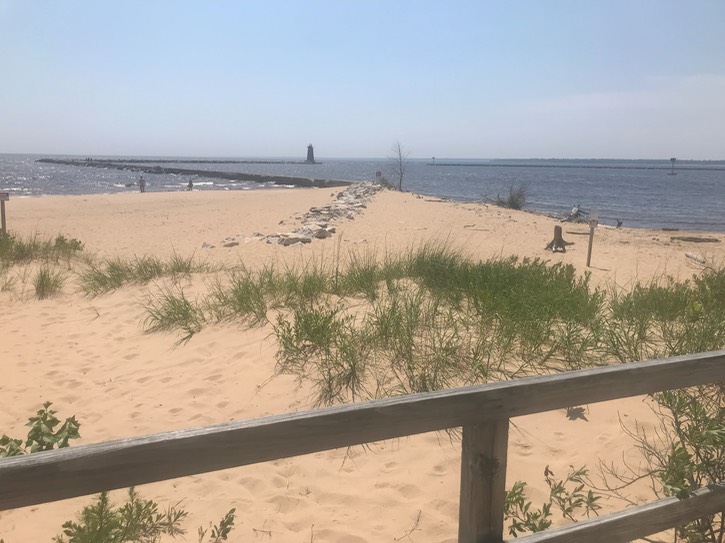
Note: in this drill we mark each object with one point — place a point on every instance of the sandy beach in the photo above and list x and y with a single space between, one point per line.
92 358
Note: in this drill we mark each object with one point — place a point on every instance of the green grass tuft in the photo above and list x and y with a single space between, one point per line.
170 311
48 283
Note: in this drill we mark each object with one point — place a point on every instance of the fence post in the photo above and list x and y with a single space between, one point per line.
483 482
4 197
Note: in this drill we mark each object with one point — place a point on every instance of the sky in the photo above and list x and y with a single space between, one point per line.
454 79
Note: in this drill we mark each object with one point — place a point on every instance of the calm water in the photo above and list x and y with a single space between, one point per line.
640 193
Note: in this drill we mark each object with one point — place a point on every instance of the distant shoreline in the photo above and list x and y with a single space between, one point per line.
574 166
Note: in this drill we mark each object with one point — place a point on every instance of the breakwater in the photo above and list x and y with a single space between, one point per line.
139 166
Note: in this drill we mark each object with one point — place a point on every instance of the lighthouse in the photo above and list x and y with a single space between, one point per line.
310 155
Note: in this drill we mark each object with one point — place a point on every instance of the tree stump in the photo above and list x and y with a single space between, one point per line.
558 243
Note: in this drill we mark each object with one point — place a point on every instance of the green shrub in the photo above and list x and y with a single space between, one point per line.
15 250
42 435
516 198
567 496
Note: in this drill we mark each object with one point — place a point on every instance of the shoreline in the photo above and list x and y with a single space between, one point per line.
349 183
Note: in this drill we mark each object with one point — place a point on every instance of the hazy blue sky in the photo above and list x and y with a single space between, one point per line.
506 78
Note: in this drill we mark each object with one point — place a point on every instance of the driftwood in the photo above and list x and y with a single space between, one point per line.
558 243
694 239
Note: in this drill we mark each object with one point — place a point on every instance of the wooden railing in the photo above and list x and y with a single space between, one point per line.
482 411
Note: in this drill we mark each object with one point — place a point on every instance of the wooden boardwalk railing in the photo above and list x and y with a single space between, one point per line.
482 411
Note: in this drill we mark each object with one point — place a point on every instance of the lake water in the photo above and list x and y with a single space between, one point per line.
640 193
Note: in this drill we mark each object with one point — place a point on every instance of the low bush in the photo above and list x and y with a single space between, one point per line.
15 250
516 198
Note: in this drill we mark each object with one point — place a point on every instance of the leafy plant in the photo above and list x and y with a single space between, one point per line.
684 453
221 531
42 435
567 496
136 521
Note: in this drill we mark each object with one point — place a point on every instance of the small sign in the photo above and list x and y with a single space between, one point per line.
594 218
4 196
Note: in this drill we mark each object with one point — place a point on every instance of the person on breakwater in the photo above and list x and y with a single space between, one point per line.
142 184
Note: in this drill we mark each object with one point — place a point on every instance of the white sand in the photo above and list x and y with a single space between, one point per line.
92 358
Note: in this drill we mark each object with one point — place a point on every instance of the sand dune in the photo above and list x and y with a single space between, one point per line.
91 357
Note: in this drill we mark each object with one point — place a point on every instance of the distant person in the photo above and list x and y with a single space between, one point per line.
142 184
191 185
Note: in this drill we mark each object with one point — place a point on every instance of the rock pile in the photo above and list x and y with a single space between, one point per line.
317 223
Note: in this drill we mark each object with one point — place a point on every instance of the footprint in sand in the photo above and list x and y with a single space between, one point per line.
407 490
523 449
194 392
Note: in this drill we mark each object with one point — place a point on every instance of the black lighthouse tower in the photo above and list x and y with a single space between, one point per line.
310 155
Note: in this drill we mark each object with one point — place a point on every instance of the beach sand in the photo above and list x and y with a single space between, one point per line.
91 357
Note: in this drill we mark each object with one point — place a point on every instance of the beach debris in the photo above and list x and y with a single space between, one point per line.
558 243
697 258
694 239
316 223
577 214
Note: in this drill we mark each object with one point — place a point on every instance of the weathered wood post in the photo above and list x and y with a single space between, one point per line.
4 197
592 225
558 243
483 482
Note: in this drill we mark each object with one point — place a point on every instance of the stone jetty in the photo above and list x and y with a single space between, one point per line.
232 176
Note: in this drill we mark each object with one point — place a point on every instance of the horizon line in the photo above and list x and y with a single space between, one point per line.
319 159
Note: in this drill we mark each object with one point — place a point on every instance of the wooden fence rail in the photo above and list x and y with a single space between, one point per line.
482 411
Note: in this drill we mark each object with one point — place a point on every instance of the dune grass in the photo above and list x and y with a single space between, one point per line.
363 326
113 273
429 318
420 321
516 199
172 310
18 250
667 318
48 282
